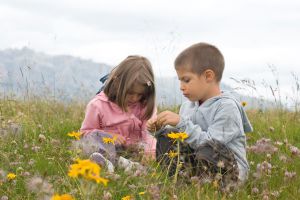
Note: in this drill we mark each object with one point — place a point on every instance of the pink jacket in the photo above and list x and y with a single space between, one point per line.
104 115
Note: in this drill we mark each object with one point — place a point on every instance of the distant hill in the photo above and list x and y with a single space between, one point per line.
63 76
66 77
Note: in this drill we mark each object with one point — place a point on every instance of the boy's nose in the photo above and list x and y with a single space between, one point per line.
181 87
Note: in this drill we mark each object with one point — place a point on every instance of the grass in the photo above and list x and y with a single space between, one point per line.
34 145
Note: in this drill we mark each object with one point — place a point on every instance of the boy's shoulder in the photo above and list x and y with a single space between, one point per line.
226 99
226 103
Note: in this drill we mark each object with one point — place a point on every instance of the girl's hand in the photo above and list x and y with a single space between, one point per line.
119 138
153 125
168 118
150 125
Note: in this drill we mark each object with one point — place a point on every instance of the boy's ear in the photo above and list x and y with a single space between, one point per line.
209 75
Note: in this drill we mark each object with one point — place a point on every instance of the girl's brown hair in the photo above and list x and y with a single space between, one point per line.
132 70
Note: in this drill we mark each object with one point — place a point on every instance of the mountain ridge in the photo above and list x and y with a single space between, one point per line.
67 77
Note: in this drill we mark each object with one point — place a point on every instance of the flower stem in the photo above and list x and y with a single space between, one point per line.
177 165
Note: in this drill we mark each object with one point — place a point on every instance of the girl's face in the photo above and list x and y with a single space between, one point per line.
135 94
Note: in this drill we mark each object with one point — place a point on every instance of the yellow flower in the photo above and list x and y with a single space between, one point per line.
107 140
215 184
182 136
75 134
88 170
11 176
244 103
62 197
172 154
128 197
141 193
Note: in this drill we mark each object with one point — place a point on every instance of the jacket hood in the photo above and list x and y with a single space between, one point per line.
227 95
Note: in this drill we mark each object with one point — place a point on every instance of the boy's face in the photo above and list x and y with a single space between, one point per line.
193 86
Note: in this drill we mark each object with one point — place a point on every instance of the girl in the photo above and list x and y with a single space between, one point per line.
120 112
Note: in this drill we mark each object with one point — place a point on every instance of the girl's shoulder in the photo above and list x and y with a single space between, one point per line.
101 102
99 99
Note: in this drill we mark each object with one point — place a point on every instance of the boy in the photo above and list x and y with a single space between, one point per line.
214 121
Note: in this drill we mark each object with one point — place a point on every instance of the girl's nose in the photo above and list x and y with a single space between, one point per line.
135 98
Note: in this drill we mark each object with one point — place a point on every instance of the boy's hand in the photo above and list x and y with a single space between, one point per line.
168 118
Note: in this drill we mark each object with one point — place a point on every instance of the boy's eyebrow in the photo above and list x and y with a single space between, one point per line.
182 77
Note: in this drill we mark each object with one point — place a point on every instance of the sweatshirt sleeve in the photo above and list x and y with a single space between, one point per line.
226 126
92 119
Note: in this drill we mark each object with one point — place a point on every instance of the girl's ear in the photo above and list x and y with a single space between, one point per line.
209 75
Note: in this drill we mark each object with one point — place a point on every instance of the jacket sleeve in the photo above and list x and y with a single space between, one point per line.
92 119
226 126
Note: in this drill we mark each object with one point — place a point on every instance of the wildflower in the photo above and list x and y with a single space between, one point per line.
215 184
106 195
172 154
4 198
255 190
262 168
294 150
141 193
35 148
244 103
275 193
62 197
220 164
55 142
195 179
283 158
265 197
25 173
218 176
128 197
263 145
42 138
39 185
108 140
11 176
181 135
75 134
31 162
154 192
88 170
278 143
288 174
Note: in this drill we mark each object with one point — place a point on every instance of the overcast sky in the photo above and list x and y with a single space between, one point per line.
251 34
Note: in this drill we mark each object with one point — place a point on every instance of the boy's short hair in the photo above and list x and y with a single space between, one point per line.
200 57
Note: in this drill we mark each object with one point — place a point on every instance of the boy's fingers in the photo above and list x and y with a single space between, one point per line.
164 115
165 122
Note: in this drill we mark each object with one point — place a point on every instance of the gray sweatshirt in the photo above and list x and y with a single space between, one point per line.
221 118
